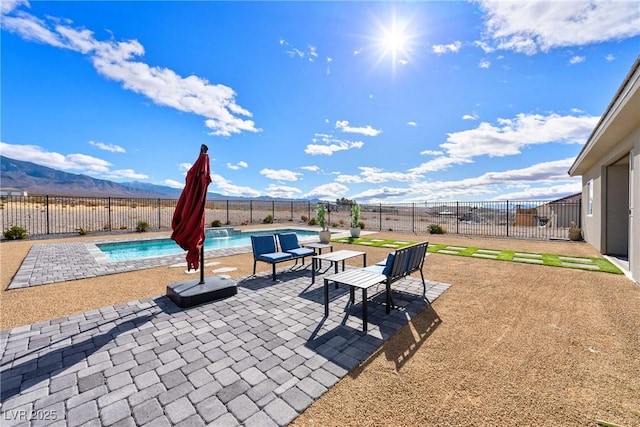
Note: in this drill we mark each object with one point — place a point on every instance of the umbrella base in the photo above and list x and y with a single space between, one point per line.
192 292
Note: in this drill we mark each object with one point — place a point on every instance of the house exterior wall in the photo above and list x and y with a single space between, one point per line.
594 225
634 220
592 221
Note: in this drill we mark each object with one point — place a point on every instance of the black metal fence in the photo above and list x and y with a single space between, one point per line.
52 215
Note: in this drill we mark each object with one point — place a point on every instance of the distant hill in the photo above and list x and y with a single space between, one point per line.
42 180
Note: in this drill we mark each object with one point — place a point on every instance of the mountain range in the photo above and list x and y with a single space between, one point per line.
41 180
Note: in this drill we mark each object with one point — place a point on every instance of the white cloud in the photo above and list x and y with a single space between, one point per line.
312 168
108 147
36 154
432 152
330 145
126 174
327 191
509 136
470 117
280 174
577 59
226 188
544 180
541 25
377 175
173 183
446 48
115 60
383 194
543 193
343 125
237 166
412 124
282 191
439 163
610 58
484 64
349 179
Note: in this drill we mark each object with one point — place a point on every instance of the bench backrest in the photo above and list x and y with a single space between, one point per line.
288 241
405 261
263 245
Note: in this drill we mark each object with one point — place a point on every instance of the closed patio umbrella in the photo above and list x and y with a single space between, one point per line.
188 219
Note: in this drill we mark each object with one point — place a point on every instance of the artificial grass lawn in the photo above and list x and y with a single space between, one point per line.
554 260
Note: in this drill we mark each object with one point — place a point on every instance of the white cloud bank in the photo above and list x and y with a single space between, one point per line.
116 60
540 25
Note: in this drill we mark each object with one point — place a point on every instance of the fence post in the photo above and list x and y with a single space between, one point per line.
380 211
507 218
47 205
109 213
250 211
292 210
457 216
227 212
413 217
273 209
159 219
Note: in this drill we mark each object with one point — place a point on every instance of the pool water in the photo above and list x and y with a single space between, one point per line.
215 239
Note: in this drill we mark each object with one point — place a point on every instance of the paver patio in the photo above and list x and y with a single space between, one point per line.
258 358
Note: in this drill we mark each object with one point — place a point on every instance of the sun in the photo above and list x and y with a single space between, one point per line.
393 42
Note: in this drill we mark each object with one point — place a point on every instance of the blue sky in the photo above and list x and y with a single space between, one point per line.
378 102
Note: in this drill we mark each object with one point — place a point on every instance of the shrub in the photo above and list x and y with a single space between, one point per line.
216 223
83 232
435 229
304 218
361 225
142 226
15 233
268 219
313 221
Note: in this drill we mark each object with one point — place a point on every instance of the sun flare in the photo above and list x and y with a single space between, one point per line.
393 41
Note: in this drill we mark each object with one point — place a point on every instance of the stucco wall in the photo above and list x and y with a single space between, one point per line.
593 225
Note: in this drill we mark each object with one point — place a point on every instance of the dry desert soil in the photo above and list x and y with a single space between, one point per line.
507 344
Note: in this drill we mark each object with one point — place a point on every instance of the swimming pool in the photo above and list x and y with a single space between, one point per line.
215 239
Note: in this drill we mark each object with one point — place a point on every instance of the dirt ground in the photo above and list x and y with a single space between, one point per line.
507 344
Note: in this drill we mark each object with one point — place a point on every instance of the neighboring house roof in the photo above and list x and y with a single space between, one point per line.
620 118
570 198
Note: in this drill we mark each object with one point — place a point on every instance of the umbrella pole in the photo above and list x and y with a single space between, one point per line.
203 149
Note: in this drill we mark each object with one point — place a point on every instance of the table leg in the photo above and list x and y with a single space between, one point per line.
365 312
364 259
326 298
352 295
313 270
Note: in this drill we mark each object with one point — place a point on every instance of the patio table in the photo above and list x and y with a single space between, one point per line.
354 279
334 258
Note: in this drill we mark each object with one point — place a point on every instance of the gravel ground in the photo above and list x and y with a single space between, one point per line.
507 344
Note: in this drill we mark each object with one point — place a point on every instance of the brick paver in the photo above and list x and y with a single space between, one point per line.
258 358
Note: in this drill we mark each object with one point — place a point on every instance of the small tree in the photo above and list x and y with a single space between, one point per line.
355 215
321 213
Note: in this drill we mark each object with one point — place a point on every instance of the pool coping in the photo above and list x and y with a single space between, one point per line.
50 263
